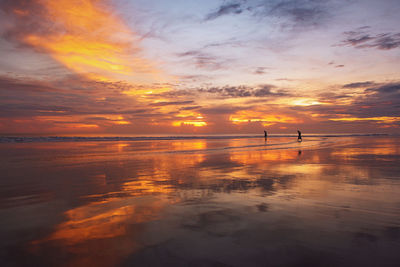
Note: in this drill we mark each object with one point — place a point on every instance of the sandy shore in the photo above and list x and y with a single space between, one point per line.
233 202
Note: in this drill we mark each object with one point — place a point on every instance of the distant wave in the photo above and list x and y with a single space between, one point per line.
16 139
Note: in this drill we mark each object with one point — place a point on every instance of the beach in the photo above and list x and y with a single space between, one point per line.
228 201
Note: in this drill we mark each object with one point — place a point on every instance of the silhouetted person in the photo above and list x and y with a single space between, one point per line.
299 138
265 134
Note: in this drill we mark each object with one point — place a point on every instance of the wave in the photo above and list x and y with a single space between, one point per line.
16 139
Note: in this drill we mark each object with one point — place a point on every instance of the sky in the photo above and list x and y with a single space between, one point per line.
199 67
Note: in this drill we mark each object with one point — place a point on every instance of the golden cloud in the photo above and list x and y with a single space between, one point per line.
85 36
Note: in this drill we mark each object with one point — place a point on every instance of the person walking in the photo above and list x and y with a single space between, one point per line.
299 138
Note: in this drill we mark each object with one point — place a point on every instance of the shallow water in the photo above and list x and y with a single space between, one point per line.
328 201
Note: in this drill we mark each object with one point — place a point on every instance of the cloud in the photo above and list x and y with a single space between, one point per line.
245 91
266 90
293 14
194 78
78 104
386 41
220 110
358 85
290 13
225 9
203 60
190 108
260 70
362 38
69 96
285 79
378 105
387 89
174 103
232 91
8 110
84 38
305 13
13 84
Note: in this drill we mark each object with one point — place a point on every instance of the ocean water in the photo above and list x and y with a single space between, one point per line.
331 200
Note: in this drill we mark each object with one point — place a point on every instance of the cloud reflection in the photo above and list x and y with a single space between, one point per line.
143 195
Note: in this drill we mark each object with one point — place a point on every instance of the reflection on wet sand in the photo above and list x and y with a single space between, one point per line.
109 221
252 157
189 202
101 220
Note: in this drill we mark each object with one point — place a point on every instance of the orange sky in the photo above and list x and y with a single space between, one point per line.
108 67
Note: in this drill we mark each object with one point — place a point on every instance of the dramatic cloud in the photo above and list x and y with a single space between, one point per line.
379 106
78 104
68 103
85 36
231 66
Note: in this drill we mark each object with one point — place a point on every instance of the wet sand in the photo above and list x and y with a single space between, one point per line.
231 202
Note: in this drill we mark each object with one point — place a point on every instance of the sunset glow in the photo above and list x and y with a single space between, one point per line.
266 120
199 133
134 67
